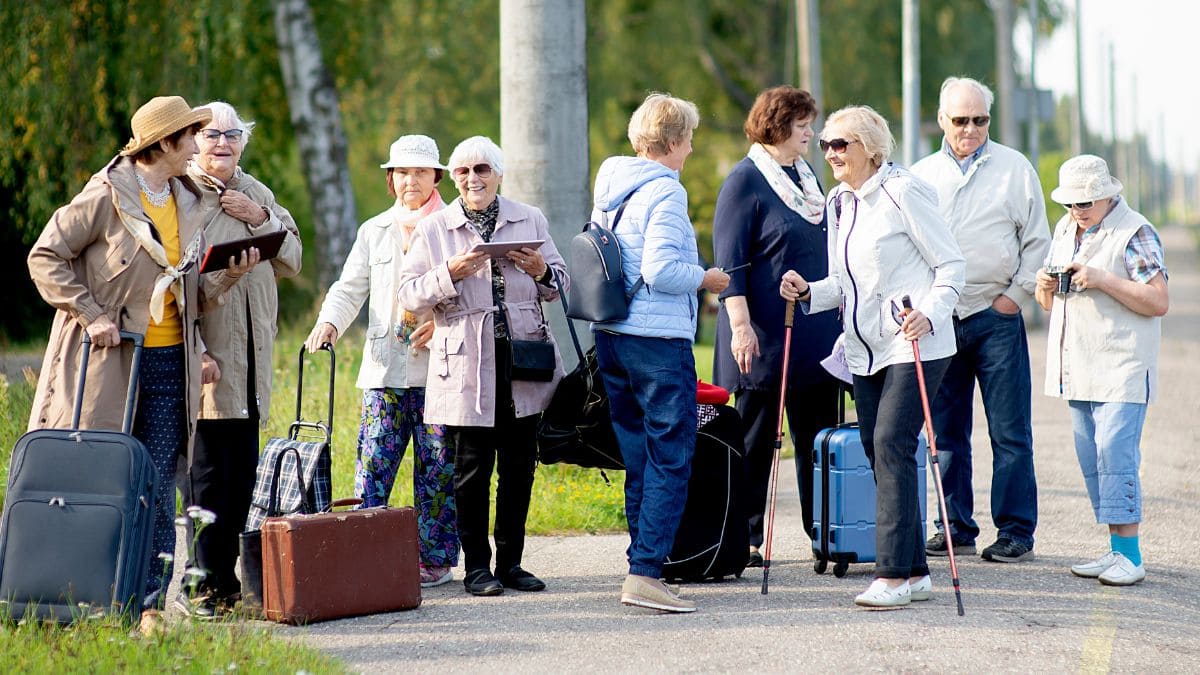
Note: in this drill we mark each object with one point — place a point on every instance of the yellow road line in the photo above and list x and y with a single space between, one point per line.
1098 646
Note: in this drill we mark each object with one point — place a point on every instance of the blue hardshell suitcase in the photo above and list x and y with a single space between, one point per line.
844 498
77 527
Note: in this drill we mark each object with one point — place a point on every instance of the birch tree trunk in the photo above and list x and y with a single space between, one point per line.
313 105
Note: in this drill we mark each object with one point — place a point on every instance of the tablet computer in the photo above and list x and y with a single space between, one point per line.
217 256
497 249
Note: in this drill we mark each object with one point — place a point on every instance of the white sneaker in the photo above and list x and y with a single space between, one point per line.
880 595
1093 569
1123 573
922 590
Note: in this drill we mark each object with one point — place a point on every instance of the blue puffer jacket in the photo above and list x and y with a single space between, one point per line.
657 243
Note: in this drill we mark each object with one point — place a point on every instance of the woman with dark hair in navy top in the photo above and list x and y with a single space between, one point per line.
771 214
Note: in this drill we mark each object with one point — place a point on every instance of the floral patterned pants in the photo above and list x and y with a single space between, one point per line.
390 418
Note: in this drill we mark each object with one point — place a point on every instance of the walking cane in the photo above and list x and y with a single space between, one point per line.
788 318
933 460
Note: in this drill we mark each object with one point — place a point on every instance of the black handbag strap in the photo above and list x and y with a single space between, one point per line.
562 297
273 502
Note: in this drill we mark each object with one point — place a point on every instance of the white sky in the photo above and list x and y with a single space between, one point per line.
1154 42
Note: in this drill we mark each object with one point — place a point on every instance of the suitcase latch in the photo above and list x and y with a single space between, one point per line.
58 501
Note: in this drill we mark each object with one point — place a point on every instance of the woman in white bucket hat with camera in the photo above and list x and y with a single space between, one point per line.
396 358
1105 285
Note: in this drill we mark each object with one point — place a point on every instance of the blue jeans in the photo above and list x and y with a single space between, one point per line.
1108 444
651 386
993 349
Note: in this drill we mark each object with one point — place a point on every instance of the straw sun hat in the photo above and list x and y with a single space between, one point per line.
160 117
1084 179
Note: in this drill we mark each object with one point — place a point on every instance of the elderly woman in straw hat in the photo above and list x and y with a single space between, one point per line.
122 256
238 334
1105 284
395 358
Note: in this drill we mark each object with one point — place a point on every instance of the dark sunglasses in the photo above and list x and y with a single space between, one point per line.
839 145
233 135
978 120
481 170
1082 206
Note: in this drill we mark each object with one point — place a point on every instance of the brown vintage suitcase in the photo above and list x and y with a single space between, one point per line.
333 565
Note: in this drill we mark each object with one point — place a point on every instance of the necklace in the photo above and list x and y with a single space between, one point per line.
158 199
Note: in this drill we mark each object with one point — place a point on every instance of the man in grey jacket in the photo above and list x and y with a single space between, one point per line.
992 199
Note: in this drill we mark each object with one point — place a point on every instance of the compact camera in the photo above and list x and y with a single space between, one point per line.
1062 275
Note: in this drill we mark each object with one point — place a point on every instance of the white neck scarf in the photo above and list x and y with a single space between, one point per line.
805 199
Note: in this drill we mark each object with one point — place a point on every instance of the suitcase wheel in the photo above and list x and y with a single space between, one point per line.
819 565
839 569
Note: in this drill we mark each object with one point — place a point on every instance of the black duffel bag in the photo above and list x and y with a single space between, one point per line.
576 427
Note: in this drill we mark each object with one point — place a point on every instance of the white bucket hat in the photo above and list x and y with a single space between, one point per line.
414 151
1084 179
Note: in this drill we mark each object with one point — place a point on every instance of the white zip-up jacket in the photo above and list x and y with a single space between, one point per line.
998 216
370 274
887 241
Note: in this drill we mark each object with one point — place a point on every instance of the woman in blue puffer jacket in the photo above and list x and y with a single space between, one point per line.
646 359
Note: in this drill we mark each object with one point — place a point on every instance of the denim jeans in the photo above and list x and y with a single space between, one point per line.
651 386
1108 444
890 417
993 349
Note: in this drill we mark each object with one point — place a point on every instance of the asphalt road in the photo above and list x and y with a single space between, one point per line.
1028 617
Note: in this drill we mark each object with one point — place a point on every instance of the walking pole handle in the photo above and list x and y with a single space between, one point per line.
789 314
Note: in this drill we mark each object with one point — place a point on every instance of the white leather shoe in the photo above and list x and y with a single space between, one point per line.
881 596
1093 569
922 590
1123 573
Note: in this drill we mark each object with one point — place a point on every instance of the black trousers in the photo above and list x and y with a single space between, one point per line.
224 460
511 447
809 409
889 419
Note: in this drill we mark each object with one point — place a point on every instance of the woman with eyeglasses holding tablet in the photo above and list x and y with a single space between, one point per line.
396 358
887 241
770 217
238 335
484 301
1105 285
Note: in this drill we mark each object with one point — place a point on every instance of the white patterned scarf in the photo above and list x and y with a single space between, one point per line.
805 199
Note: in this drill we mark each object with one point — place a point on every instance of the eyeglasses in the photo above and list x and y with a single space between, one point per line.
214 135
1081 206
978 120
481 170
839 145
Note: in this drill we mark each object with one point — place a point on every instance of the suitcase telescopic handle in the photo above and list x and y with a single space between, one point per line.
300 383
138 341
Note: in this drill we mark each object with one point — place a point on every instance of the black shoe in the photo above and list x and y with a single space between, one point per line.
756 559
481 582
1008 551
520 580
202 607
937 546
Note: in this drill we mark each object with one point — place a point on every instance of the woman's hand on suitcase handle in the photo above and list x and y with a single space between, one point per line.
210 372
322 333
104 332
421 336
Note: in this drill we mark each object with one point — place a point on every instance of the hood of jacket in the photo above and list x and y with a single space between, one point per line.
619 176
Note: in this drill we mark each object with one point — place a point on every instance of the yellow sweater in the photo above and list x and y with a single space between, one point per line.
169 331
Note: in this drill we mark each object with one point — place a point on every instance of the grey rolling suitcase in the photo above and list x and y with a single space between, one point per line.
77 526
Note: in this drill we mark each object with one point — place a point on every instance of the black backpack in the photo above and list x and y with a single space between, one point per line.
597 284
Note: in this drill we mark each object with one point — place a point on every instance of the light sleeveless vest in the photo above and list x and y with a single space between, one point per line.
1099 349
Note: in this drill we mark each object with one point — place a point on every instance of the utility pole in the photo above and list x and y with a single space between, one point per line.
911 69
1032 99
1005 76
808 56
1114 161
543 121
1077 123
1134 154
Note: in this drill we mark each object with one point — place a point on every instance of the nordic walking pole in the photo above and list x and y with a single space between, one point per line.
788 318
933 460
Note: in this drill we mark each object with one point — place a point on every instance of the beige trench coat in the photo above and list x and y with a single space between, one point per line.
86 264
224 327
460 388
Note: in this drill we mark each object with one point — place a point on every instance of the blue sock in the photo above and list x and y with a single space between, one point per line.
1128 547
